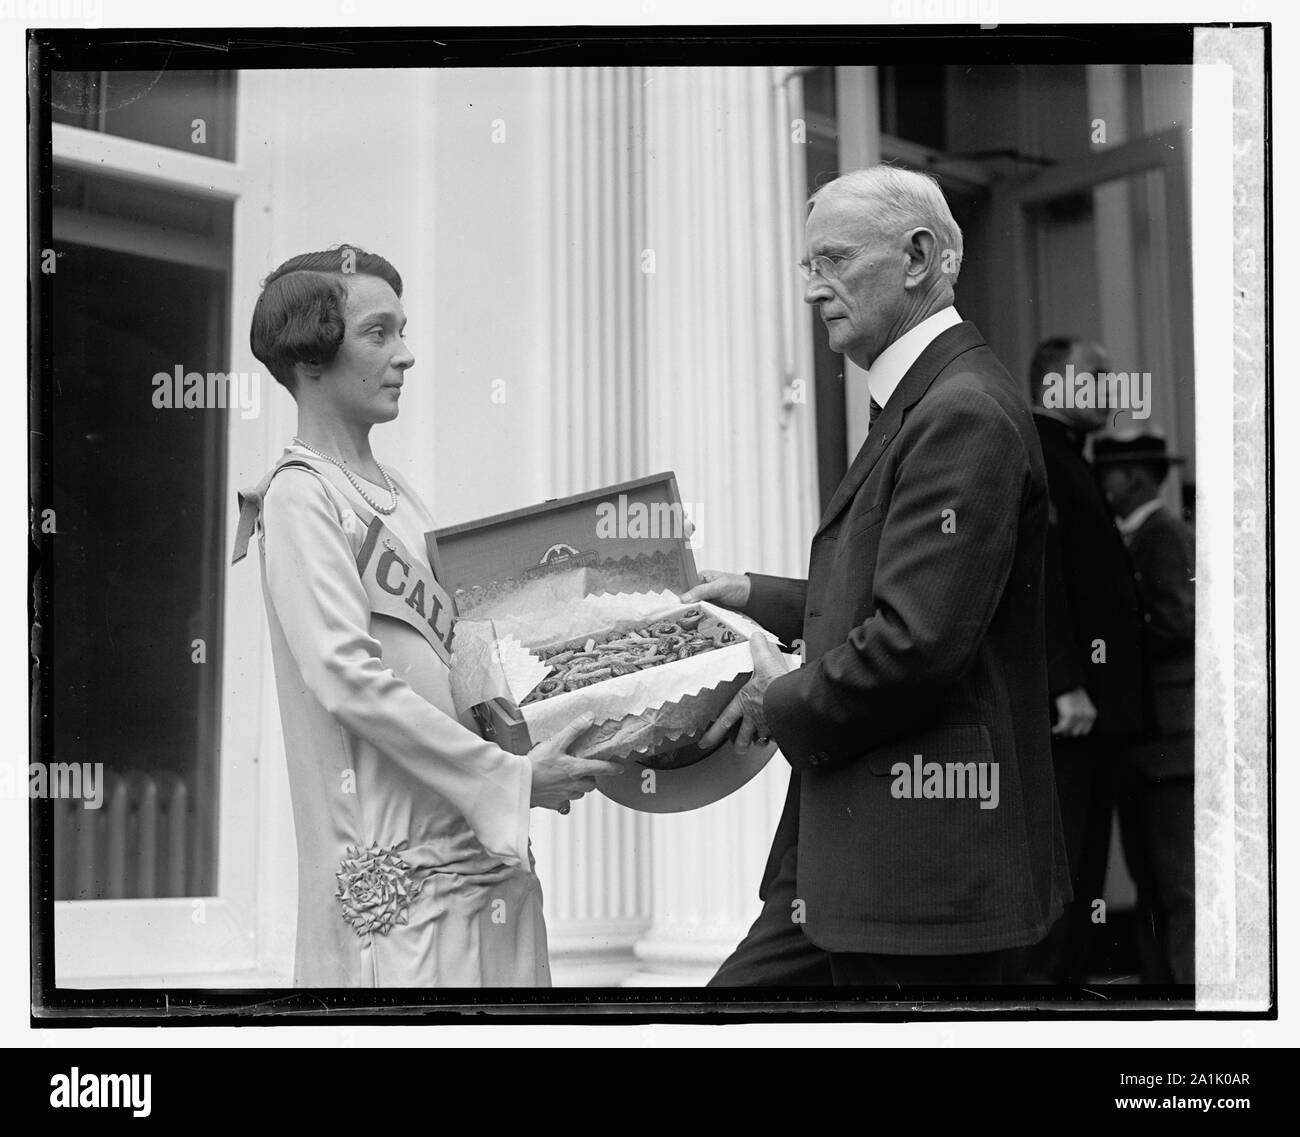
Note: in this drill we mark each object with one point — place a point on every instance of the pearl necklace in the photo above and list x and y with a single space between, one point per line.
356 484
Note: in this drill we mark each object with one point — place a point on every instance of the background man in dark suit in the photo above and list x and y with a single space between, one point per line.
1156 798
1094 634
922 623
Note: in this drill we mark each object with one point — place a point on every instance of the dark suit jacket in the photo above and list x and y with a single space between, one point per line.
1164 562
1089 591
923 633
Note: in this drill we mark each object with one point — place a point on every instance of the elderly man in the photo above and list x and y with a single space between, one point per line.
920 841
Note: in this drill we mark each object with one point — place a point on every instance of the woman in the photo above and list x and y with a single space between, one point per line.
414 867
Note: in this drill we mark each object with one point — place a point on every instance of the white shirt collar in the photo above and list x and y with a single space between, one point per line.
896 360
1133 522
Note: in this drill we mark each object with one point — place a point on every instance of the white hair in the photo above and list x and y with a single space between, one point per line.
899 200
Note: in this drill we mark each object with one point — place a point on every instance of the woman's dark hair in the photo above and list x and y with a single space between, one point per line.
299 315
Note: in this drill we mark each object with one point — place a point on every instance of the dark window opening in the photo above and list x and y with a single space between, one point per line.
914 105
192 111
138 557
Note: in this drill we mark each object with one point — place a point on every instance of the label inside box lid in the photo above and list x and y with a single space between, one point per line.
629 537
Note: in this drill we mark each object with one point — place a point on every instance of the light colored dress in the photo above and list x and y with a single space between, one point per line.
414 868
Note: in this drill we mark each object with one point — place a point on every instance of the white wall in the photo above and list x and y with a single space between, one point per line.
488 367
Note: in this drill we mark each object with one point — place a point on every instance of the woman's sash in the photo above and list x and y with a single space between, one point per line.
397 584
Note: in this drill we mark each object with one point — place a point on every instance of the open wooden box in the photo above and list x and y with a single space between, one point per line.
631 532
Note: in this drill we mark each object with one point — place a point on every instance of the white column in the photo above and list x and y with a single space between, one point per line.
725 342
595 863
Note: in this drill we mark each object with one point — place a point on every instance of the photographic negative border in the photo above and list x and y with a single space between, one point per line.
1239 817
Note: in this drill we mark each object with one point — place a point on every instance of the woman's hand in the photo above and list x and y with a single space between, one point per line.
558 776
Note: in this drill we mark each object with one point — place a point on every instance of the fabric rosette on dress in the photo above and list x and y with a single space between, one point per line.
376 888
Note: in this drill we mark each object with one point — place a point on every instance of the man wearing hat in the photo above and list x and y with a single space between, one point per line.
1157 804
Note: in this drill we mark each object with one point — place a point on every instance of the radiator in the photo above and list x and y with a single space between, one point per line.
138 844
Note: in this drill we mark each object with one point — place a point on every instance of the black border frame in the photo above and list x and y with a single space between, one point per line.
139 49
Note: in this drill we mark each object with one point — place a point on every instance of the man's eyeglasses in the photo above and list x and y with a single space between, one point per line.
826 265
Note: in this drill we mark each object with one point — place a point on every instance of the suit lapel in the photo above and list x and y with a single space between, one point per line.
941 351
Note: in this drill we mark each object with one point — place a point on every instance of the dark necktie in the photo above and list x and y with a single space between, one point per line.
873 414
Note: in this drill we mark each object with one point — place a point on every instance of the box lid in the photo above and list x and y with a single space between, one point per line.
629 537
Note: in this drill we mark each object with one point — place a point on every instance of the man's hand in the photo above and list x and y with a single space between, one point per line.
559 777
727 589
1075 714
747 707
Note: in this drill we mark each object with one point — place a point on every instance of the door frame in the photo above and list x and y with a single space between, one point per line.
1011 324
